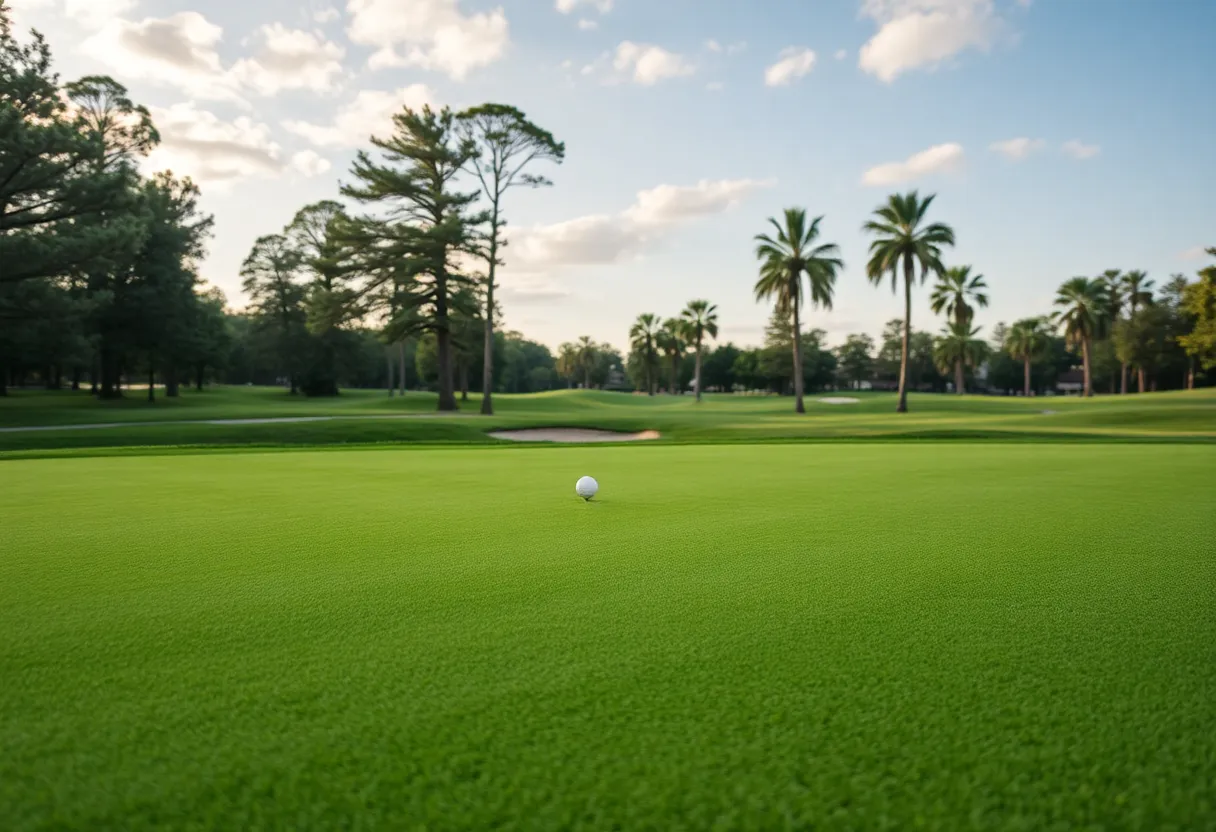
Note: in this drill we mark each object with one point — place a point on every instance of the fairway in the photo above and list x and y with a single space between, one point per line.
827 636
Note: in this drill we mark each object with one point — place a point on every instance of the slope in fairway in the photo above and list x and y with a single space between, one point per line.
816 636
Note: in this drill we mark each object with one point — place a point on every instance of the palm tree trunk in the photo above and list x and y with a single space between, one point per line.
675 374
1123 379
1026 377
1089 390
1140 379
902 406
697 374
799 407
958 377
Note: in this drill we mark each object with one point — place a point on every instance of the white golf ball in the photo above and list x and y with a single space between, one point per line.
586 487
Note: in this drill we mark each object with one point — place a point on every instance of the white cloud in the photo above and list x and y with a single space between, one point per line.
327 14
923 33
1194 253
648 64
199 144
178 51
1018 148
841 54
1079 150
95 13
567 6
941 158
586 24
713 46
431 34
736 48
310 163
793 62
715 86
600 239
369 113
290 59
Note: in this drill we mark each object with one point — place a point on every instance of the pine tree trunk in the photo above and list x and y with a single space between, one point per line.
487 370
401 368
799 407
172 388
902 406
76 377
1123 379
443 338
1089 390
110 386
1140 379
464 381
151 381
390 379
1026 377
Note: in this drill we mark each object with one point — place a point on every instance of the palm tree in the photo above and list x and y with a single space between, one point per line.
643 336
671 342
954 295
567 362
1083 306
958 347
586 359
1139 290
783 261
700 319
901 239
1112 279
1027 340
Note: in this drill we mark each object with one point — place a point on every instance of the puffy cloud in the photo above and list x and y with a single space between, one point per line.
369 113
199 144
1080 150
328 14
567 6
431 34
941 158
586 24
310 163
920 33
1018 148
792 63
648 64
841 54
179 51
95 13
290 59
600 239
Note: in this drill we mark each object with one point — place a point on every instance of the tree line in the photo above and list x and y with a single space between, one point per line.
99 282
1117 323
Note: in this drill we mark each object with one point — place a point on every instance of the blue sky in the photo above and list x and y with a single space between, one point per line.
1062 137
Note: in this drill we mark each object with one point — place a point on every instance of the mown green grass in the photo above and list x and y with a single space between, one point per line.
849 636
370 417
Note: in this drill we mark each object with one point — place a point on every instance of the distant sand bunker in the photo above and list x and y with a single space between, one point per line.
572 435
839 400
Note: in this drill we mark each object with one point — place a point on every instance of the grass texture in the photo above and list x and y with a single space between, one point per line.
370 417
815 636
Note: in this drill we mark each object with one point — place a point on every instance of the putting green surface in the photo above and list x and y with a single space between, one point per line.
938 636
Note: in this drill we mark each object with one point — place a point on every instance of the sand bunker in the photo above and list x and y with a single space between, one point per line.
839 400
572 435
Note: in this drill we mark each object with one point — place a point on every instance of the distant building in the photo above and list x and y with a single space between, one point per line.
1072 381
